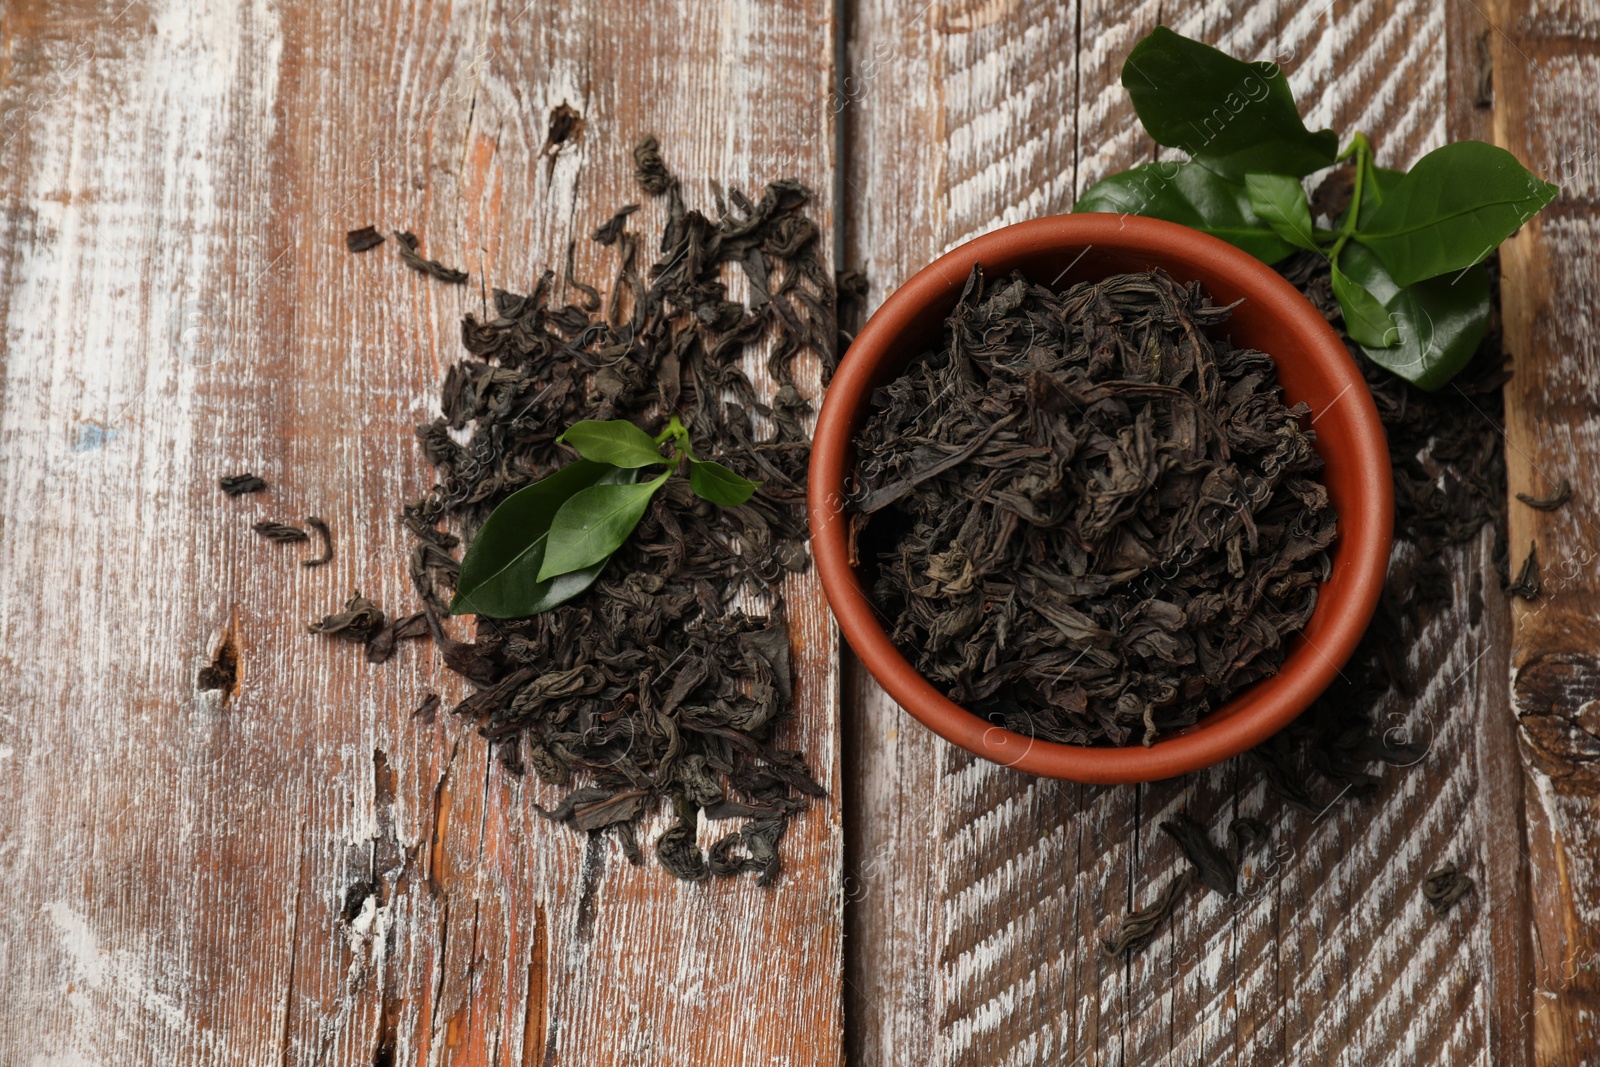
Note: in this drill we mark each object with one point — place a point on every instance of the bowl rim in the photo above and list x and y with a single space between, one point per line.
1241 722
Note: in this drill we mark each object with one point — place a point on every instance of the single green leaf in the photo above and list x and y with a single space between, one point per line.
1192 195
500 570
618 442
1231 116
1451 210
594 523
1280 201
1440 320
1367 321
716 483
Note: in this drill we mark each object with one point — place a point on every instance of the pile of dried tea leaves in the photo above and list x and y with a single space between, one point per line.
653 686
1092 520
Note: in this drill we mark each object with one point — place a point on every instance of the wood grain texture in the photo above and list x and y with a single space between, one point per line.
1547 69
980 114
182 872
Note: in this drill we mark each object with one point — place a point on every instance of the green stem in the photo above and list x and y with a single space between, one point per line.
1361 148
679 435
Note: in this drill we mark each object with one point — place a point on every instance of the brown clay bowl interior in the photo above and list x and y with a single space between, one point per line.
1313 366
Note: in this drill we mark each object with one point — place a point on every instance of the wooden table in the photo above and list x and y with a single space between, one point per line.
176 867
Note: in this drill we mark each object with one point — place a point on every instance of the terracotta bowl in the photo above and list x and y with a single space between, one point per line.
1313 366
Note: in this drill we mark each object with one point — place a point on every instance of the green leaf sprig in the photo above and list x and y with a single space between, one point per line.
1406 256
548 542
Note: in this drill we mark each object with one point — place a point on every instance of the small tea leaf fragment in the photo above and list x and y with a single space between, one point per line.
1562 494
716 483
1451 210
593 524
1280 201
1366 320
500 571
1440 321
1190 194
1230 116
363 240
617 442
237 484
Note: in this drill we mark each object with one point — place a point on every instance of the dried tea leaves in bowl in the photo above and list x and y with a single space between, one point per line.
1091 520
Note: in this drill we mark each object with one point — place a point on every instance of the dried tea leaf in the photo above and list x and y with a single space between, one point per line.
1139 928
1526 587
1216 870
326 536
239 484
608 233
359 620
280 531
406 242
381 645
1443 887
363 240
1562 494
649 170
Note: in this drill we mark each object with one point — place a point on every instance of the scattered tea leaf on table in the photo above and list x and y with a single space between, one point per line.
325 535
1215 869
280 531
1189 194
1440 320
1451 210
239 484
1231 116
1562 494
359 620
1140 927
363 240
500 571
1443 887
716 483
1526 587
1280 201
617 442
422 264
593 524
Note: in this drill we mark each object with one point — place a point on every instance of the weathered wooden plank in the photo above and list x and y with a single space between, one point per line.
1329 954
178 304
1545 65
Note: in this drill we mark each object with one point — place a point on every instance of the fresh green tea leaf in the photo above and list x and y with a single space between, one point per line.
1280 201
1440 320
594 523
1192 195
500 570
617 442
1366 320
716 483
1233 117
1451 210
